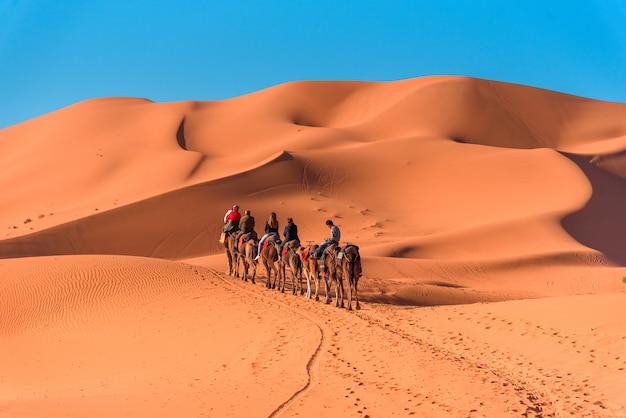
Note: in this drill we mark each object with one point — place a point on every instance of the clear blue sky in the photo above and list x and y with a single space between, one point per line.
54 53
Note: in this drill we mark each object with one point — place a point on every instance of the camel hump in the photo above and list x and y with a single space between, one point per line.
350 248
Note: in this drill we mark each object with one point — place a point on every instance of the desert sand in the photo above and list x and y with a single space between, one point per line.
489 216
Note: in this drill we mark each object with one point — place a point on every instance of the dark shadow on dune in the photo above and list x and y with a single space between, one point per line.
196 167
425 301
299 121
601 224
283 156
180 135
461 140
443 284
402 252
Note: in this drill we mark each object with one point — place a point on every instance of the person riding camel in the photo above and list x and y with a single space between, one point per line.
335 235
246 226
271 227
231 219
291 233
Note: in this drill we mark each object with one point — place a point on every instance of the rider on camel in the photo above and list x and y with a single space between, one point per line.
231 219
290 233
246 226
271 227
335 235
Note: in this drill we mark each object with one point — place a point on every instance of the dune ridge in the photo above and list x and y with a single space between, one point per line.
391 162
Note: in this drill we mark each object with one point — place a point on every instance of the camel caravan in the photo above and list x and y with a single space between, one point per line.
329 261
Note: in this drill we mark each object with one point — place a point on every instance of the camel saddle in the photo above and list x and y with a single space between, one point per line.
274 239
293 244
242 238
308 252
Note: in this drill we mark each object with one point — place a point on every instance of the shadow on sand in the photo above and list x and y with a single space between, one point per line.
601 224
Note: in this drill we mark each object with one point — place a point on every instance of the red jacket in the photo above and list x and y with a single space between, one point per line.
233 216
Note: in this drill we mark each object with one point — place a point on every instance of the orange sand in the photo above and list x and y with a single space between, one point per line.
490 217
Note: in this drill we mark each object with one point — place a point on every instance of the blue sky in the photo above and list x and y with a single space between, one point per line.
56 53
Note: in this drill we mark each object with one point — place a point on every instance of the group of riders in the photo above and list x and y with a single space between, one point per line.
236 224
241 228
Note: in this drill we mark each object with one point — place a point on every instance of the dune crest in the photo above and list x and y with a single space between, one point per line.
424 158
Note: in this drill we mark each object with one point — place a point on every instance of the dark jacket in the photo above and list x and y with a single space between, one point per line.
246 224
291 232
269 229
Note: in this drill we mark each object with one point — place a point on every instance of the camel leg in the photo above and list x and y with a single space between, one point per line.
307 293
327 289
349 295
294 289
308 284
356 282
299 270
340 291
298 280
243 270
268 283
273 269
317 287
346 272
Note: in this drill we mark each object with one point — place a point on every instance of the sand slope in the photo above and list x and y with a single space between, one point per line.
457 191
118 335
430 160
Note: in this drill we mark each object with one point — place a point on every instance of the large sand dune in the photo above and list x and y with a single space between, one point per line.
457 191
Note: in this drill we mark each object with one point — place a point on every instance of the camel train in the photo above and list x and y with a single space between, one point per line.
338 263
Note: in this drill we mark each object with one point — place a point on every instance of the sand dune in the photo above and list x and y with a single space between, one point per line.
489 216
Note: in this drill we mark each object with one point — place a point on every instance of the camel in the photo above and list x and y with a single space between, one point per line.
231 254
350 261
291 259
330 273
269 256
311 272
247 259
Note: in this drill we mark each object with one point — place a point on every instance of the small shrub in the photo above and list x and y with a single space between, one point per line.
28 220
